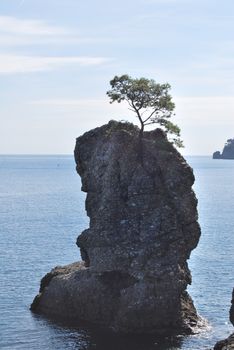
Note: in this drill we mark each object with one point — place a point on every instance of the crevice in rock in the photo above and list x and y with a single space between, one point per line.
117 280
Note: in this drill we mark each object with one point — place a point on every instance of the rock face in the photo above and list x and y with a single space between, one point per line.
228 151
143 227
228 344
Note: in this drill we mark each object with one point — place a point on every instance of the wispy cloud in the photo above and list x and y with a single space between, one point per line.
24 32
11 64
18 33
66 102
87 107
29 27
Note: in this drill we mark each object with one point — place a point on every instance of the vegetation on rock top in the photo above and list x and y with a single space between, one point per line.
150 101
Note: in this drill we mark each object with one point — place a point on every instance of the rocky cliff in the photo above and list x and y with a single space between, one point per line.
228 344
143 227
228 151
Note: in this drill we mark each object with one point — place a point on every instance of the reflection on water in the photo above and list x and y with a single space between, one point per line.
89 339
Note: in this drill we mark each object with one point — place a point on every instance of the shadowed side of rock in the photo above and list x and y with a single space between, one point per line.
143 227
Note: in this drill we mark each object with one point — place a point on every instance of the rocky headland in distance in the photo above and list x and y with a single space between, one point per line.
228 151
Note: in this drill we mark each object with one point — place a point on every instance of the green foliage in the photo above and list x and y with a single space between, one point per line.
151 102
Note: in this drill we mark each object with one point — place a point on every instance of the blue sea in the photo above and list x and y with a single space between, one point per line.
41 214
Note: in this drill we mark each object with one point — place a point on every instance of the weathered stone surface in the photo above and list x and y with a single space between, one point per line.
228 151
228 344
143 227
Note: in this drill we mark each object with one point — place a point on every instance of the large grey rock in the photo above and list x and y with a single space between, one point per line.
143 227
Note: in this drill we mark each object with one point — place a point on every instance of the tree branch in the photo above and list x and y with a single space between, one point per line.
151 114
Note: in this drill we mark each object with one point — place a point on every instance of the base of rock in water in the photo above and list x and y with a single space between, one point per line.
78 296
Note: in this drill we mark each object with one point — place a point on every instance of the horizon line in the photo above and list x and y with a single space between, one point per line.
71 154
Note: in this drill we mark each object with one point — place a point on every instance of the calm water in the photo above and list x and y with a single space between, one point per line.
41 214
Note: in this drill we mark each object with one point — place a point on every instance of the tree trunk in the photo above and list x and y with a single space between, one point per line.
140 143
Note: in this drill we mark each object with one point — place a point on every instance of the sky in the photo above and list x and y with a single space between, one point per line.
58 56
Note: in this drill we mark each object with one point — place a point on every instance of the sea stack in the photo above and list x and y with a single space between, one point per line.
143 227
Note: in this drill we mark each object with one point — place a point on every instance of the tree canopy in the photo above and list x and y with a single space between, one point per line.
150 101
